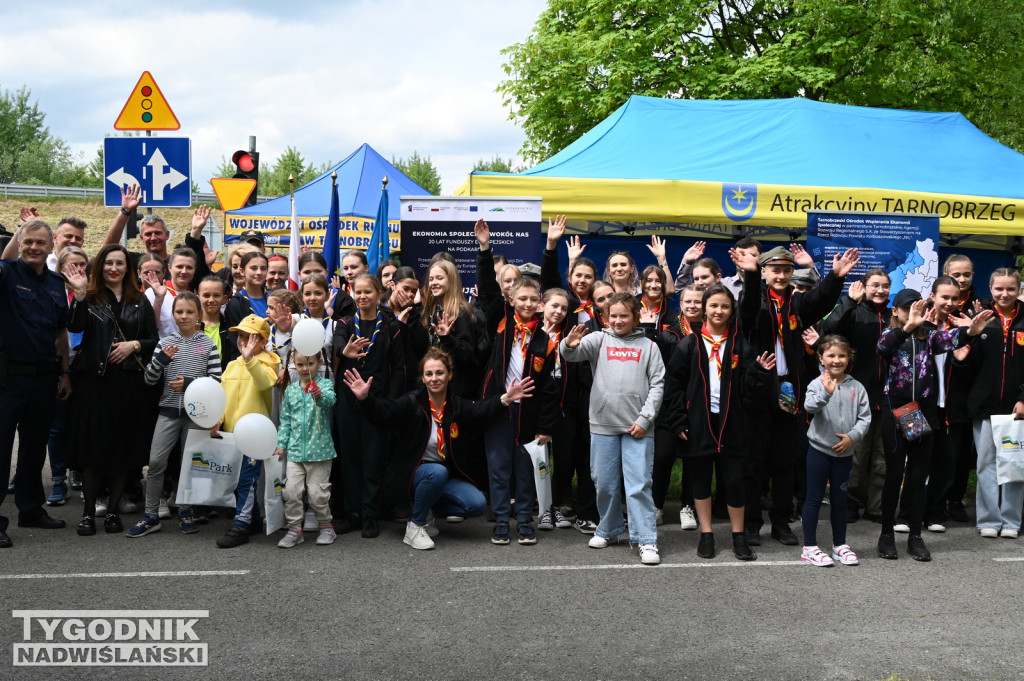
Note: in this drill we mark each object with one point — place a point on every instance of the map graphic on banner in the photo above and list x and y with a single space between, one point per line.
445 223
905 246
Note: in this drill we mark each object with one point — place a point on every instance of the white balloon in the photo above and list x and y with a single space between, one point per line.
204 401
308 337
255 436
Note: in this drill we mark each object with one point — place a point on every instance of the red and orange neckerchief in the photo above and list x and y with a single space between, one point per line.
585 306
524 329
779 302
438 417
716 345
643 304
1006 321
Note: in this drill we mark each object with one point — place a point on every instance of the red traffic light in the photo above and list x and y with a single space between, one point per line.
244 161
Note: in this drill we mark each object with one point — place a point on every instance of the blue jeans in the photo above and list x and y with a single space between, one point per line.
433 489
508 462
992 513
618 459
247 507
823 468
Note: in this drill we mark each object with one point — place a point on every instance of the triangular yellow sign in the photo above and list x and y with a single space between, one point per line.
232 193
146 108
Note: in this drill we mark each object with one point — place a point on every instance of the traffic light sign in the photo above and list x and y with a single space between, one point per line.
247 167
146 108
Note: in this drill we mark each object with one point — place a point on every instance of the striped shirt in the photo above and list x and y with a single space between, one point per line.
197 356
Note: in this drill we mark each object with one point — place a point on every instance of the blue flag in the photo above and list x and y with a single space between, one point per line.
332 254
378 250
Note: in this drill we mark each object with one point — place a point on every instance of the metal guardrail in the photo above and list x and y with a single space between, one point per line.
31 190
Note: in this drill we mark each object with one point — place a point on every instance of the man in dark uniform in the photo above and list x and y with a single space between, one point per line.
33 369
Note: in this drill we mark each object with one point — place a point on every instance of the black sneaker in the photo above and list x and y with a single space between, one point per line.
236 536
371 528
75 480
917 549
887 547
347 525
584 526
527 536
87 526
500 533
113 524
706 545
741 548
785 535
957 512
752 536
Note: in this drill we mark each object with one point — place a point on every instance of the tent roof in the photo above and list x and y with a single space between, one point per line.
791 142
359 183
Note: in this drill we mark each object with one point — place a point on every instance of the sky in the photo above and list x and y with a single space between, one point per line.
401 76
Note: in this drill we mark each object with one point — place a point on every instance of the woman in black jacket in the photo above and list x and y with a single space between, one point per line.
112 416
428 471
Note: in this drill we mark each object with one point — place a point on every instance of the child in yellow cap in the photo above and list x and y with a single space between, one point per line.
248 382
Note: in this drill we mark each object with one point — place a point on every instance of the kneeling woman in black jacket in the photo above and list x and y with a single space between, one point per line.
427 472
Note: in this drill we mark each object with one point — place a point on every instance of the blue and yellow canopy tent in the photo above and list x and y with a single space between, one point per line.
704 168
359 190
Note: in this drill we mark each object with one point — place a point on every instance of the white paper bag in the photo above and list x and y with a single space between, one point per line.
541 473
1008 436
273 494
209 470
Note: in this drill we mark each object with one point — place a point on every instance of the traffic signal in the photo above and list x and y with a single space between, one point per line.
247 167
132 228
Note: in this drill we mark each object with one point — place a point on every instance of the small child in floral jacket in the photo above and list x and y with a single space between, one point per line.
305 437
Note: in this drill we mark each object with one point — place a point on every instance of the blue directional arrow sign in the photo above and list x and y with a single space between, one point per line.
161 166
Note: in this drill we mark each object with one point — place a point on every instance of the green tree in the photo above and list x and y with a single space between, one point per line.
21 124
420 170
583 60
496 165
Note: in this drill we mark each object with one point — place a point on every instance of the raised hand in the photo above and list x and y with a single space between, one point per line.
979 322
810 336
27 213
857 291
75 275
357 385
249 347
694 252
518 390
801 256
336 282
648 316
575 248
657 248
482 232
210 255
280 316
828 382
444 324
573 338
154 282
744 261
931 315
199 218
329 305
131 197
170 351
843 263
355 347
766 360
556 230
916 315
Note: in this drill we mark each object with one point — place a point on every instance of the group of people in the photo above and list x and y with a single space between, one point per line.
772 386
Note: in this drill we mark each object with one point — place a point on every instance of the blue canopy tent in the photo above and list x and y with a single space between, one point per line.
666 165
359 184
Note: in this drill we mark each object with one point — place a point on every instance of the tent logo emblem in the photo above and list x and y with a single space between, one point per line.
739 201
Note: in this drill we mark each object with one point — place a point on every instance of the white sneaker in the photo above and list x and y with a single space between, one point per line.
326 536
416 537
936 527
659 517
560 520
101 506
988 532
902 528
126 505
815 556
845 555
454 519
290 539
649 554
597 542
1008 534
686 519
309 521
165 511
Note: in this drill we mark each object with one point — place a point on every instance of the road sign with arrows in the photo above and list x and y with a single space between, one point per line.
161 166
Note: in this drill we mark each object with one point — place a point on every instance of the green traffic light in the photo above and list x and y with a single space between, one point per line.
147 117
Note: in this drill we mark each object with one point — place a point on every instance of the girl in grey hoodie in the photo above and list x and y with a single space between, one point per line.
841 416
629 379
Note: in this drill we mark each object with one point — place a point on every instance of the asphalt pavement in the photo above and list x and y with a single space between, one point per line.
377 609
